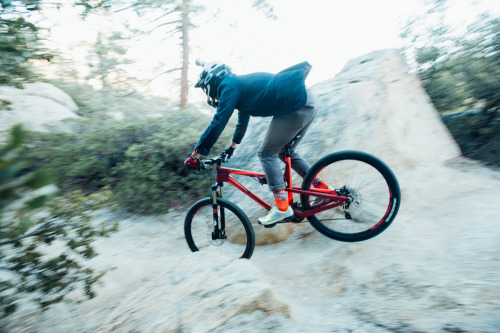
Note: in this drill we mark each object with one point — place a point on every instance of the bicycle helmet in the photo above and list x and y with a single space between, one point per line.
210 78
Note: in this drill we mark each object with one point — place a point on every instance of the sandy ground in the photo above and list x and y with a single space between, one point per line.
436 269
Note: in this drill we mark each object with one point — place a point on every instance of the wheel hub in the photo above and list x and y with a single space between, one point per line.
354 199
219 236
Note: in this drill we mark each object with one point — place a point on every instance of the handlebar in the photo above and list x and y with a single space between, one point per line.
215 160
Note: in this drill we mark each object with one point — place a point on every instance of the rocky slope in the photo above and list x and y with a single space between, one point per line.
434 270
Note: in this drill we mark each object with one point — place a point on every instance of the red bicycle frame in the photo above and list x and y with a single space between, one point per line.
332 199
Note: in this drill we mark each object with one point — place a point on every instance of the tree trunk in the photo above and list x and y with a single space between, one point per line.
185 53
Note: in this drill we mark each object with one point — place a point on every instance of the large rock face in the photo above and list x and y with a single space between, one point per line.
36 106
374 105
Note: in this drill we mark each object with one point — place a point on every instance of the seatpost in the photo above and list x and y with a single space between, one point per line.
288 147
288 151
288 169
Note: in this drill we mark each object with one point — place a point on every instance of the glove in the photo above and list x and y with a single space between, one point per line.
192 163
227 153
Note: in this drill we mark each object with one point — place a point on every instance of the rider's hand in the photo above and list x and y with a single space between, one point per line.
227 153
192 163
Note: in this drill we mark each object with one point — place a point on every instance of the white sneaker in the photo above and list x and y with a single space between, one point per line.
275 215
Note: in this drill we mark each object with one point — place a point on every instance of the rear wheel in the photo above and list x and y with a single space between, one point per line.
371 186
232 236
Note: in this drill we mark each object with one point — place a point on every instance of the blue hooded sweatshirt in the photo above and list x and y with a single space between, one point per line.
258 95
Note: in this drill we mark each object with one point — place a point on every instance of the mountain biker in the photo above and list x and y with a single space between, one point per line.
282 96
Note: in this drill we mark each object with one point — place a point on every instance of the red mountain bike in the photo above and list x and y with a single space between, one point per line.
364 203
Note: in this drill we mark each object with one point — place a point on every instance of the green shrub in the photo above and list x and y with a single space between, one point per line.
141 160
30 224
105 102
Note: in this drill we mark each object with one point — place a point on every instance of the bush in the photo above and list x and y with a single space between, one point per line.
141 160
43 251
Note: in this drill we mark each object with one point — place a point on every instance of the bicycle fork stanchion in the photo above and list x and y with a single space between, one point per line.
222 232
219 231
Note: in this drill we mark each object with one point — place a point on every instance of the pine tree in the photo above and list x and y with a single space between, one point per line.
18 45
178 13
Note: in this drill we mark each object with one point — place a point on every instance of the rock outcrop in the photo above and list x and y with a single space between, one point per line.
187 292
37 106
375 105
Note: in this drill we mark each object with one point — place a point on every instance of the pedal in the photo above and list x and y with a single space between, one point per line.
298 206
293 219
269 225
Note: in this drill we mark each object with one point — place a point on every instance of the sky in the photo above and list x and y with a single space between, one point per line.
325 33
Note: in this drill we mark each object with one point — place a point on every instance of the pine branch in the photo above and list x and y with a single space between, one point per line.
41 228
36 232
163 24
165 14
128 7
157 76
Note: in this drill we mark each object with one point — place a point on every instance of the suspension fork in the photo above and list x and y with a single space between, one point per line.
219 231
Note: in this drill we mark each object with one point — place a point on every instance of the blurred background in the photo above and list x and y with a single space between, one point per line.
127 115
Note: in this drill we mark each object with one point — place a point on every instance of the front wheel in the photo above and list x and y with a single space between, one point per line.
224 228
372 189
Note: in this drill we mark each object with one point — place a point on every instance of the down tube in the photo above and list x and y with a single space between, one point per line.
249 193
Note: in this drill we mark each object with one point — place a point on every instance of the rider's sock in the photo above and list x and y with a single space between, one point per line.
281 200
319 183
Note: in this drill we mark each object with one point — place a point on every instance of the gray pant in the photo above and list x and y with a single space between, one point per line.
281 131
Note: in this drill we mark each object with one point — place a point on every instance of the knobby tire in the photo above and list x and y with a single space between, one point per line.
198 226
376 199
